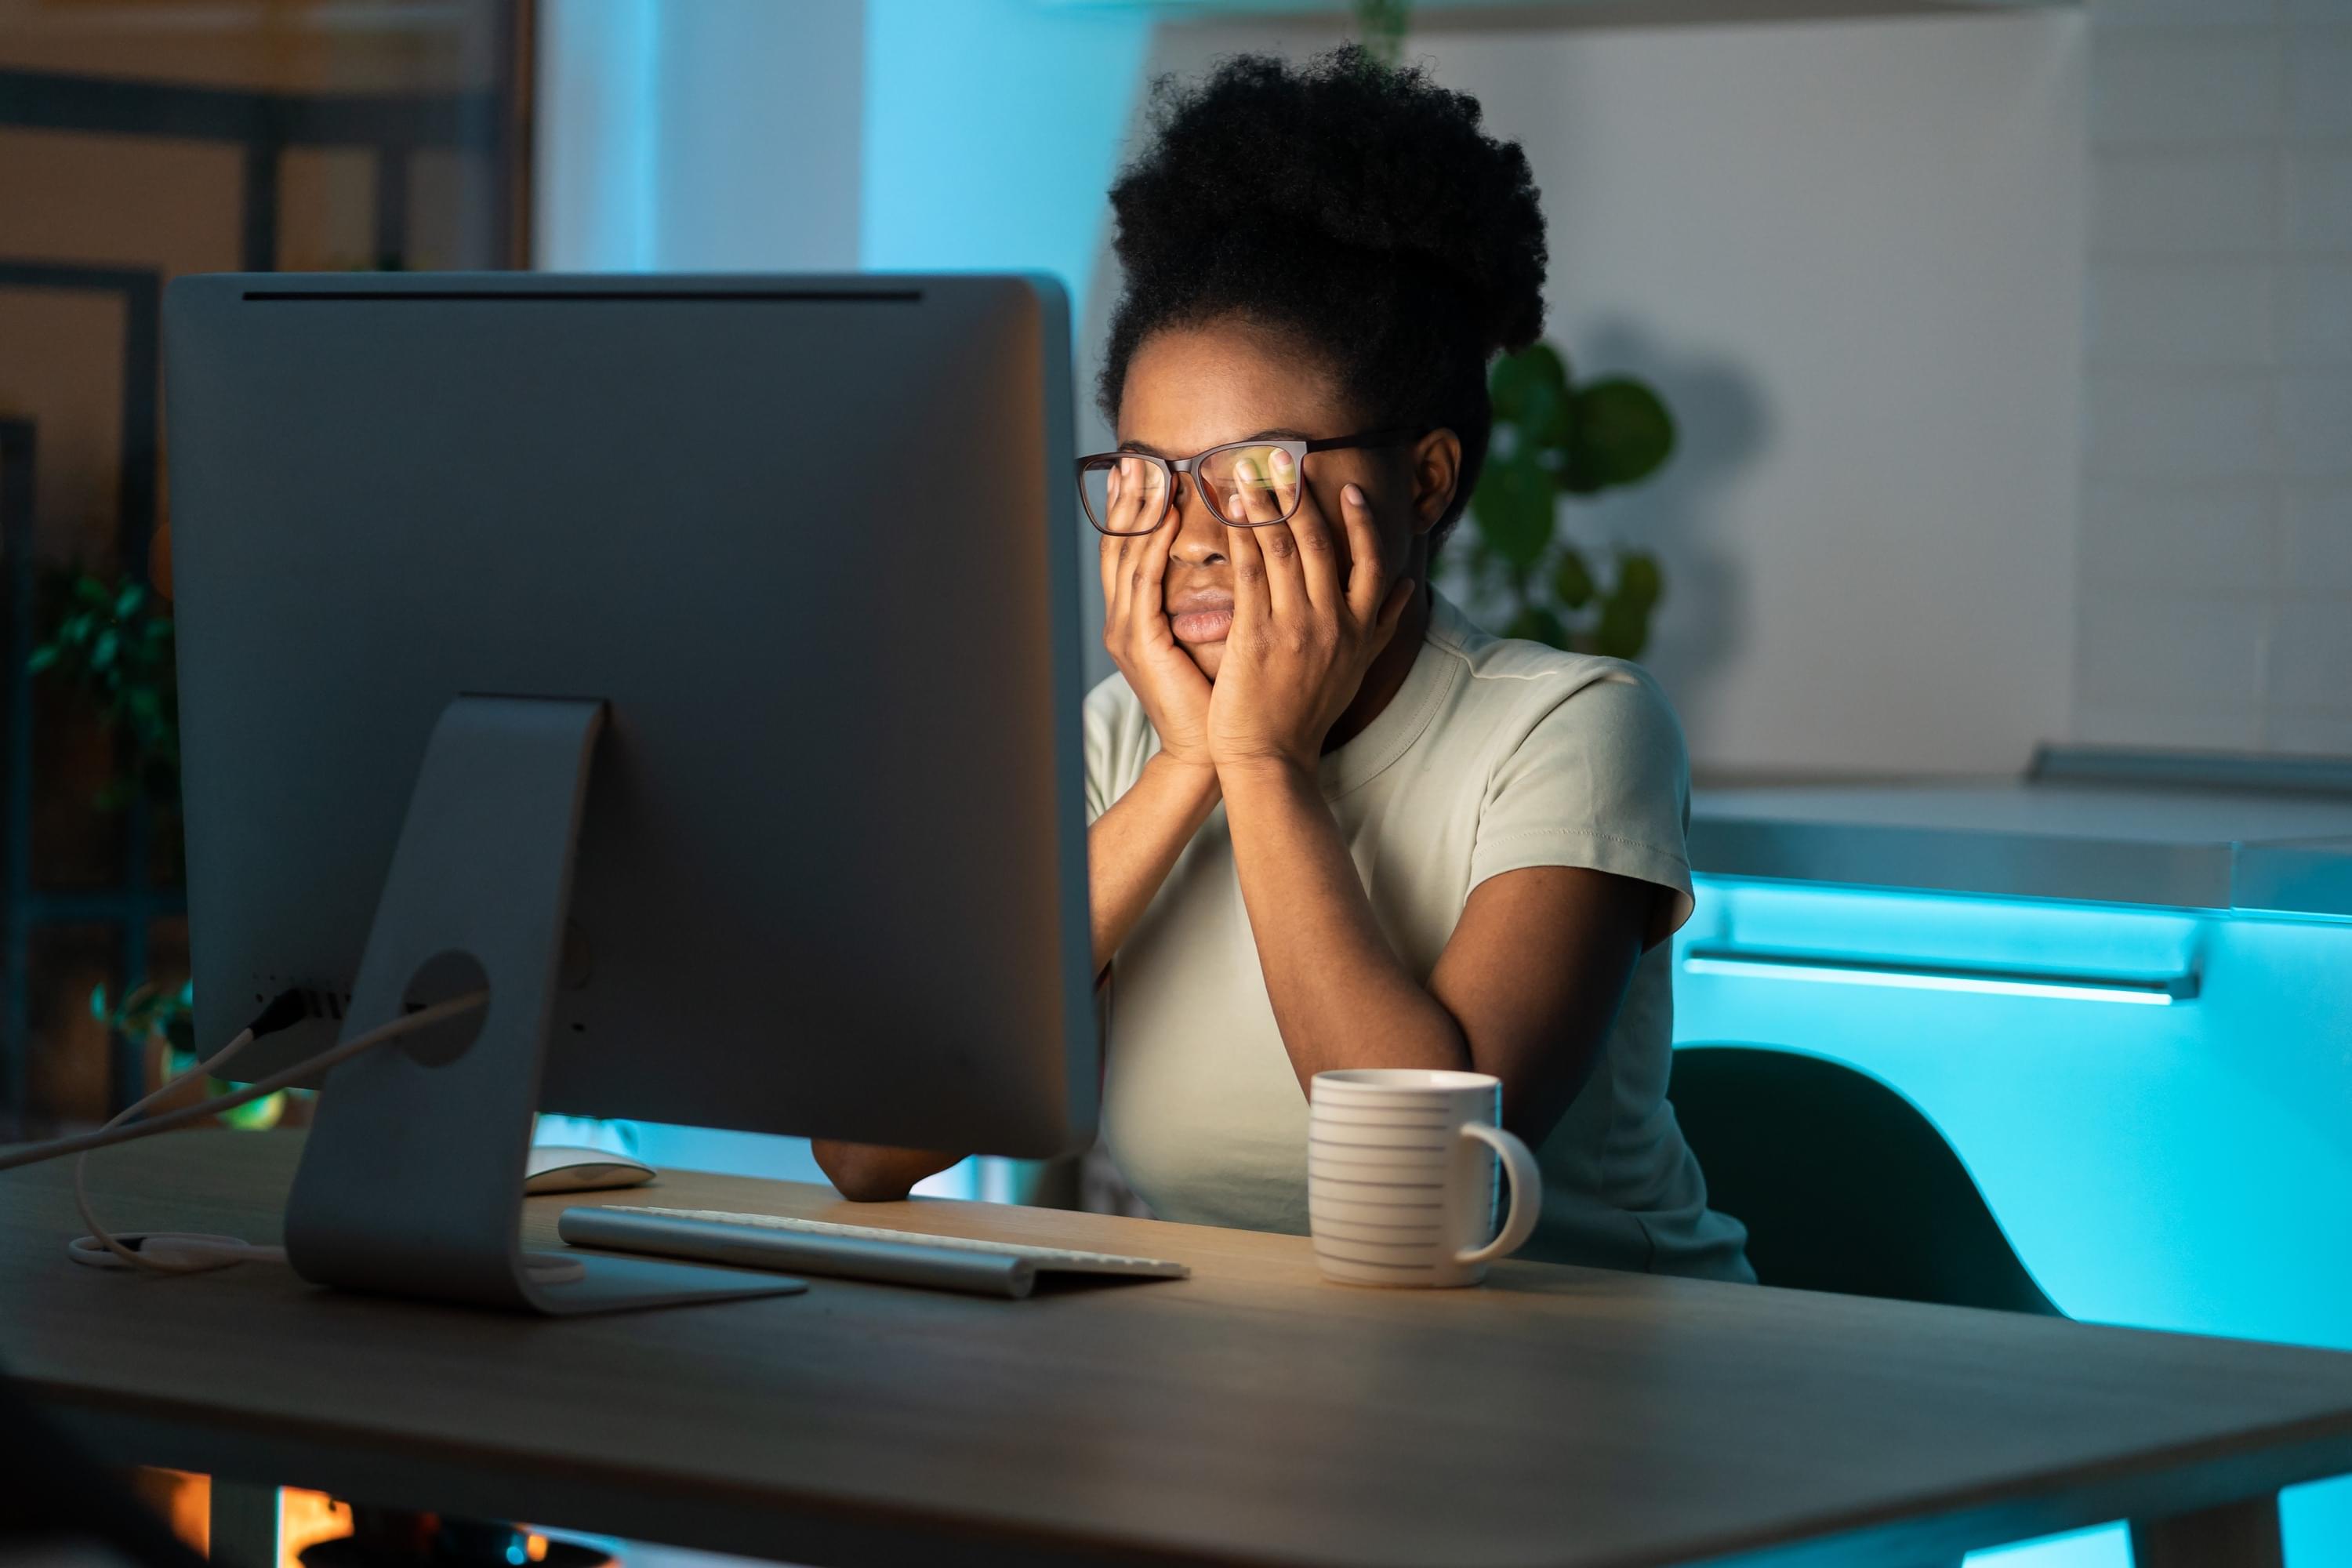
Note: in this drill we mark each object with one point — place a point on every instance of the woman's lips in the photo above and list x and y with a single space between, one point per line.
1206 623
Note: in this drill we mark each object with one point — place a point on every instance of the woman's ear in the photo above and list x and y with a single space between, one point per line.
1437 470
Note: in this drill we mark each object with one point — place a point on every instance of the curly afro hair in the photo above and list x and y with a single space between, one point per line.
1385 233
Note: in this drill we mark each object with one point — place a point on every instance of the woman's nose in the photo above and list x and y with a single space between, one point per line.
1200 537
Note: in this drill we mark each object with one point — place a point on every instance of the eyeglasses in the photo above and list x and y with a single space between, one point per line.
1129 493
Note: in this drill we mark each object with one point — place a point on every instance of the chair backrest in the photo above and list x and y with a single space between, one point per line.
1843 1185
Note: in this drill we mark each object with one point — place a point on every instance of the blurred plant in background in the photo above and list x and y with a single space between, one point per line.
164 1019
1554 438
113 640
1551 438
151 1013
1379 26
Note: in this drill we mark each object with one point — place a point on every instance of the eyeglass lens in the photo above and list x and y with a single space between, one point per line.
1131 495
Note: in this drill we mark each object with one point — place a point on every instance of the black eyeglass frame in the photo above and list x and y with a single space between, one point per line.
1102 462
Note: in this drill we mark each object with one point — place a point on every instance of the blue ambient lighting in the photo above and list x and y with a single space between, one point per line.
1831 972
993 128
2175 1167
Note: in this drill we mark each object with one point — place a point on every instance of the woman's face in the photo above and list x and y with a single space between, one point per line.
1192 389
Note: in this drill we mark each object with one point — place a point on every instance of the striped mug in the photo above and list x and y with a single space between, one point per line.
1401 1167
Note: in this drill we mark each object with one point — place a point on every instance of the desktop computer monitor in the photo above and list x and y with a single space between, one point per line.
761 592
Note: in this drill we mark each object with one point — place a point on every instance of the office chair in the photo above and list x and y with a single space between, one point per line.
1843 1185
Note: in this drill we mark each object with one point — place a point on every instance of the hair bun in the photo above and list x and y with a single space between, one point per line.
1338 153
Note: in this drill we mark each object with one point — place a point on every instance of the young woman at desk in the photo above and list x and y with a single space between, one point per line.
1335 825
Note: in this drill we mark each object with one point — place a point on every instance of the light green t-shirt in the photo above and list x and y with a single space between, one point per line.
1496 754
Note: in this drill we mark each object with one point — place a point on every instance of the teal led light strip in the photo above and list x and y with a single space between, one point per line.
2146 993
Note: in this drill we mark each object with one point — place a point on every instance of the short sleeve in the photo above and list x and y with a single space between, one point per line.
1108 734
1600 780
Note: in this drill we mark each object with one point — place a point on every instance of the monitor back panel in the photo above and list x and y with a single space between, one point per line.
810 538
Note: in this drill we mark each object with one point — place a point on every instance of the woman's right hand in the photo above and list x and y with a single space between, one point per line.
1173 692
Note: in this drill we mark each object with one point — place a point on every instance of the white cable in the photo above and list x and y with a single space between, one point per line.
187 1252
189 1114
104 1249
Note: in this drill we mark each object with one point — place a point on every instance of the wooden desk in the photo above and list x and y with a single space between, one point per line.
1251 1415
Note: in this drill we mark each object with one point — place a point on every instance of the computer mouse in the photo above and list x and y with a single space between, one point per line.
568 1168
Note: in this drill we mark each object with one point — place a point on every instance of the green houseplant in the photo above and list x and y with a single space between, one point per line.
1556 439
112 640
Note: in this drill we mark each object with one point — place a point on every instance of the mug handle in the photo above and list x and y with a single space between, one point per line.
1526 1194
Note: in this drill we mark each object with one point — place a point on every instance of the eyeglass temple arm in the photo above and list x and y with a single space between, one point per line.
1369 438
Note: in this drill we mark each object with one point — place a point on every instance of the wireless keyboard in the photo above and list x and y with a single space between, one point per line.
846 1251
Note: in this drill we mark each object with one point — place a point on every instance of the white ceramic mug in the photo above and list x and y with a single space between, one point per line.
1401 1176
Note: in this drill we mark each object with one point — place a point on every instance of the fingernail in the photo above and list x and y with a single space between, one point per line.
1355 492
1282 461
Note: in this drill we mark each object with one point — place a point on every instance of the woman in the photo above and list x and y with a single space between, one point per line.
1333 823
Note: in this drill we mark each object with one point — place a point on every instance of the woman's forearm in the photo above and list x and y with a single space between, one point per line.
1129 850
1341 997
1132 847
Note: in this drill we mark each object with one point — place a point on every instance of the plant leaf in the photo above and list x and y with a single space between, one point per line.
1624 433
1639 578
1571 580
1625 628
1515 508
1522 382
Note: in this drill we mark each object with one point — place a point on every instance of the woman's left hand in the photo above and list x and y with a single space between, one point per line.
1301 638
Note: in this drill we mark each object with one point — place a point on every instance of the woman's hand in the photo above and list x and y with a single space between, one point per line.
875 1172
1301 640
1173 692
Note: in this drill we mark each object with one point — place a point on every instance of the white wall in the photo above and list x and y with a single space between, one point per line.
776 91
2216 603
718 136
593 147
992 130
1849 255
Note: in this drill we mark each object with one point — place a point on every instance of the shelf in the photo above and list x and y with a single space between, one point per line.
1434 16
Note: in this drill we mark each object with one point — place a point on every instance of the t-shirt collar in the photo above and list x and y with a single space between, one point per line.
1436 667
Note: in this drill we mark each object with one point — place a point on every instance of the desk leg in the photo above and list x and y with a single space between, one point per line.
245 1525
2237 1535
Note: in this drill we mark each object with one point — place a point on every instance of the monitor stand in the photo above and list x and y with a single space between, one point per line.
411 1182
